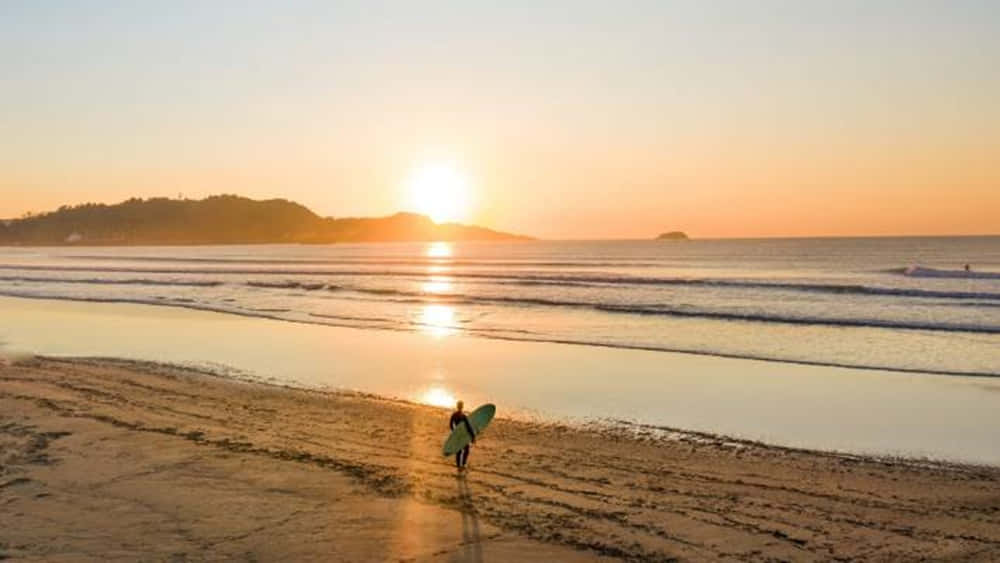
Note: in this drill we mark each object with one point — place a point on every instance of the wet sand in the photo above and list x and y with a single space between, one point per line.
107 460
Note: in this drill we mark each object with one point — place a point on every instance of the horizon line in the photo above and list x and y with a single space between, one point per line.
652 238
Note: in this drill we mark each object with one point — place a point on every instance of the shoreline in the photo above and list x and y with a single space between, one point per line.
152 440
859 412
262 315
618 429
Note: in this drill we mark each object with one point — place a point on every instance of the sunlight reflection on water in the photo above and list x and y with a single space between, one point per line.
437 284
437 320
439 250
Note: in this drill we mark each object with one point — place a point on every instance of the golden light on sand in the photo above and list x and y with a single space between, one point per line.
437 320
438 397
439 250
437 284
439 191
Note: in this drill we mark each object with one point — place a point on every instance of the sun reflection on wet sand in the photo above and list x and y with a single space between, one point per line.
439 250
437 320
437 396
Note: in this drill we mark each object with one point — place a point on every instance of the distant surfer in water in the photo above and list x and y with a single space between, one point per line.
458 417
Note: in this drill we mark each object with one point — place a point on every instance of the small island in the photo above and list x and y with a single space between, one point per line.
673 235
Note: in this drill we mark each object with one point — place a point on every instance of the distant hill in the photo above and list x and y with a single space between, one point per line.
673 235
223 219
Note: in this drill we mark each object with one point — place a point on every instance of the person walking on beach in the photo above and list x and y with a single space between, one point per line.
458 417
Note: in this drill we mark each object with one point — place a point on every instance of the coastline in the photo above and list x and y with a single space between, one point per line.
798 406
288 469
329 322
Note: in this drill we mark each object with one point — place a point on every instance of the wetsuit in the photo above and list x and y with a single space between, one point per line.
462 457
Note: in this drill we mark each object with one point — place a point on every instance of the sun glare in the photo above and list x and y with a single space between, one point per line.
437 320
439 250
439 191
437 284
438 397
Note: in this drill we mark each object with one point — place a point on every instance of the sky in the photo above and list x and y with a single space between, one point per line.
561 119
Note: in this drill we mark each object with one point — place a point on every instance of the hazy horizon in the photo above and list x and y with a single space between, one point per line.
652 236
575 120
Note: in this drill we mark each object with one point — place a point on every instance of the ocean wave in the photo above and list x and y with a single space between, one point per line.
848 289
377 261
112 281
647 309
512 335
924 272
665 310
411 297
291 285
555 280
353 318
803 320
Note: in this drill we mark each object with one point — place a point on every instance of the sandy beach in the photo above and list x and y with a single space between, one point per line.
120 460
695 281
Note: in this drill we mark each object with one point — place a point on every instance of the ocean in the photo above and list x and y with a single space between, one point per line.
896 304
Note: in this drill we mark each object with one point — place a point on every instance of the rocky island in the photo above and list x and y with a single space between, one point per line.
673 235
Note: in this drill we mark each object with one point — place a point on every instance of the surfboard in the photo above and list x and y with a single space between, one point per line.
479 419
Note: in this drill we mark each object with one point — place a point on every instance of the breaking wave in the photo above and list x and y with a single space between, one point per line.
527 279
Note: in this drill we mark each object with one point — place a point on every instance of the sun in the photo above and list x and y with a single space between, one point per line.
439 191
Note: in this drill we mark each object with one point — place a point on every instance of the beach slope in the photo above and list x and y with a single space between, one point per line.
107 459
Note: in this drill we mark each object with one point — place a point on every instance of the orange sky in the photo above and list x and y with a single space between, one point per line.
563 121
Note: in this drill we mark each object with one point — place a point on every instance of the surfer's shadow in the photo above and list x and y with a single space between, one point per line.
472 549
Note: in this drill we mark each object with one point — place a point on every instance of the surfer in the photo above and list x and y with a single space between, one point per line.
458 417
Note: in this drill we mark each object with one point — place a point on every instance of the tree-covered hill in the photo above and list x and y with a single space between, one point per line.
224 219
